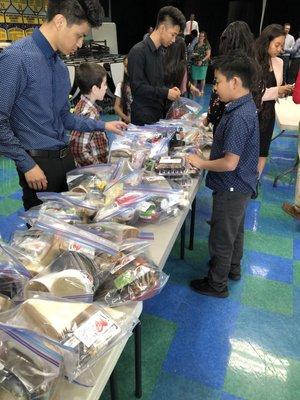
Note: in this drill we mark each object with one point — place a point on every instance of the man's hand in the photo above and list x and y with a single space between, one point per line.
174 94
195 161
116 127
36 178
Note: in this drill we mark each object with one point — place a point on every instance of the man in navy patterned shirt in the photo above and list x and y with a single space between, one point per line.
34 107
232 172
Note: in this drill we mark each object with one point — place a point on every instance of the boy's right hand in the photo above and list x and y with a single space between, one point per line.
174 94
36 178
116 127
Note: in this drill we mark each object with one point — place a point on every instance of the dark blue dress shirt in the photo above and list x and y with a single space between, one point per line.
34 106
237 133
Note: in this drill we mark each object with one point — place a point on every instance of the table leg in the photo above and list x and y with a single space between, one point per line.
277 136
182 241
138 360
287 171
113 388
192 227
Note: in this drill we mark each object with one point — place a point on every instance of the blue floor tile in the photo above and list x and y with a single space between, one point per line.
297 249
227 396
201 346
268 266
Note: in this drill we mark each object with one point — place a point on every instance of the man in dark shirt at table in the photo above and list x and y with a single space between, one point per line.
34 107
145 68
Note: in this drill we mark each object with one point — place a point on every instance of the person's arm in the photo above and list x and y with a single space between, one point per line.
296 47
74 122
12 84
119 110
207 55
227 163
138 81
273 93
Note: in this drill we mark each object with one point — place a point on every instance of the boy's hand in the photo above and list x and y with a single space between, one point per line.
36 178
195 161
174 94
116 127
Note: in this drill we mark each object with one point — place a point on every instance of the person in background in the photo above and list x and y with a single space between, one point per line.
294 209
146 71
191 25
89 147
268 47
150 30
192 43
123 96
232 171
289 42
200 61
236 36
35 112
295 61
176 69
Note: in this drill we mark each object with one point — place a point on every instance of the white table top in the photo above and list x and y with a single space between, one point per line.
287 114
102 369
165 235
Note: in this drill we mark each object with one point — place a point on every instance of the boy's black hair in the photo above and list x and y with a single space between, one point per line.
172 15
76 11
237 63
88 75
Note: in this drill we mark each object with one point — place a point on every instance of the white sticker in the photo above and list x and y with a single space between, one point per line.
99 328
168 160
83 249
153 178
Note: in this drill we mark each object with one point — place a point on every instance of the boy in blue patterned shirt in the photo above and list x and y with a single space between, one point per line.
232 172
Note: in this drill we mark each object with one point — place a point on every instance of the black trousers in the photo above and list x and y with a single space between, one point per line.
55 170
226 237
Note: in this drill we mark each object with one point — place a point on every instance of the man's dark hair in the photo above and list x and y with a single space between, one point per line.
88 75
287 23
172 15
76 11
236 63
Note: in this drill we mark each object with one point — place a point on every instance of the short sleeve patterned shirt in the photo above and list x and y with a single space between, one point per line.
237 133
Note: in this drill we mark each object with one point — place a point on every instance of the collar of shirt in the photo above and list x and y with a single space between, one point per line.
44 45
151 44
88 101
232 105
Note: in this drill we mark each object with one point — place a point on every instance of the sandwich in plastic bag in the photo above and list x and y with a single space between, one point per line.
184 108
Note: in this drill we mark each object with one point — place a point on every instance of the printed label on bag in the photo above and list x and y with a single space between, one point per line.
99 328
168 160
144 206
83 249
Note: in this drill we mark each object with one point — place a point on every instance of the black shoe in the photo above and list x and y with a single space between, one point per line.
203 287
234 277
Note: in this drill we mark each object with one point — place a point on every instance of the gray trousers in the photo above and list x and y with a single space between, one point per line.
226 237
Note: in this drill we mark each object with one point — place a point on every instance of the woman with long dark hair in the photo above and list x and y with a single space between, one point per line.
268 47
237 36
176 69
123 96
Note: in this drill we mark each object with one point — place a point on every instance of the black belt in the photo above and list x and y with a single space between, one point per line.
62 153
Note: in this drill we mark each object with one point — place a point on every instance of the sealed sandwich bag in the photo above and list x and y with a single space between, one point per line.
134 279
36 248
71 275
13 275
123 208
184 108
90 178
30 365
161 204
85 331
77 205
